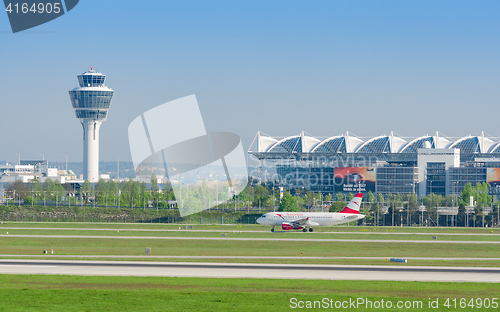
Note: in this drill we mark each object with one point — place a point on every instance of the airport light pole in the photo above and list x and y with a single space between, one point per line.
19 158
437 214
66 156
455 188
393 207
117 168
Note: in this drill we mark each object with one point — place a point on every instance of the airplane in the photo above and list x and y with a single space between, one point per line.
303 220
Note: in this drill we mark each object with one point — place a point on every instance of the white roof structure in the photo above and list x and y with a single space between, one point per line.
344 143
473 144
382 144
390 144
264 142
425 141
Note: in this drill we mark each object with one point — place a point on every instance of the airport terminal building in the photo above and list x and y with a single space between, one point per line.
387 164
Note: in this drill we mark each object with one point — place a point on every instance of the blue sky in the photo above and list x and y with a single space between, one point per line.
325 67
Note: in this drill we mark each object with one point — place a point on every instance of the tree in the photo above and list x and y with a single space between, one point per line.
411 208
133 192
350 196
289 203
339 204
168 192
18 189
494 212
461 214
58 190
154 190
261 196
85 190
398 205
466 193
370 197
101 190
478 213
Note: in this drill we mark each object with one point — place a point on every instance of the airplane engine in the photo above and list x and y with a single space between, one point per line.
288 227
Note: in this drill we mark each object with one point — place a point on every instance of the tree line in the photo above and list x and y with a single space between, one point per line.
399 209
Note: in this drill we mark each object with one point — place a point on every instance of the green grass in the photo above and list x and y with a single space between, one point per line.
79 293
250 227
88 247
250 234
110 246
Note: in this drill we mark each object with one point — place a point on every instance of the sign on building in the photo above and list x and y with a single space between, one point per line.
354 179
493 177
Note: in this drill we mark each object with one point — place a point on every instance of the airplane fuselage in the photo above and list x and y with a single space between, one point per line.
315 218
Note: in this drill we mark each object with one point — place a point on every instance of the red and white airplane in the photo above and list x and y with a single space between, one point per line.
304 220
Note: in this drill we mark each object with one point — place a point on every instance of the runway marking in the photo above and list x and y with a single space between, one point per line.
261 239
268 266
237 270
251 257
27 266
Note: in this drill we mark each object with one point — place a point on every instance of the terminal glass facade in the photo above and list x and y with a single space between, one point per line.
436 178
396 179
459 177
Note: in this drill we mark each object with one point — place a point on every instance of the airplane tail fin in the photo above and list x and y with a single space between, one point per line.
354 204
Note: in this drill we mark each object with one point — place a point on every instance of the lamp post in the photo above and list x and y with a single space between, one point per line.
455 188
117 168
19 158
66 156
437 214
393 207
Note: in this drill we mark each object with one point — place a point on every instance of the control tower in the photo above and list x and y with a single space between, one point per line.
91 101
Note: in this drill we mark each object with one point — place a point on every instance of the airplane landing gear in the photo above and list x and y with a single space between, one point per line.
272 229
304 230
311 229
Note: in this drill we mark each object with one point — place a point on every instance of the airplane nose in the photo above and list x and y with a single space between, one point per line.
259 220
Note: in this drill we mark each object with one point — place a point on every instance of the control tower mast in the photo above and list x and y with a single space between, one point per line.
91 102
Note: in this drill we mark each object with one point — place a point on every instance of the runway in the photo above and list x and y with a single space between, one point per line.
245 257
233 270
261 239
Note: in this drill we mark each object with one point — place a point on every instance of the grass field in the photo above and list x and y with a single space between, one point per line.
254 234
77 293
80 293
250 227
220 249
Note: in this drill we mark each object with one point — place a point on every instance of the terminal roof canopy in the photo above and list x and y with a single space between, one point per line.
383 144
338 144
425 141
473 144
287 145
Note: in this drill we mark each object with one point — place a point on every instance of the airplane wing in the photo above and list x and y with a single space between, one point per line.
354 216
302 222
